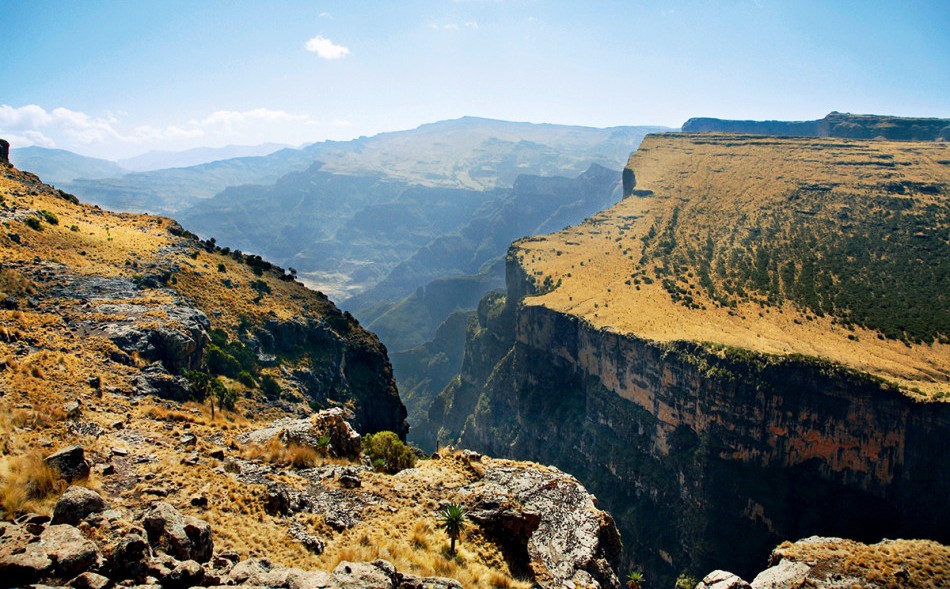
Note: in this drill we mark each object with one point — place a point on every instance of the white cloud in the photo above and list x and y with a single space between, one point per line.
454 26
326 48
109 137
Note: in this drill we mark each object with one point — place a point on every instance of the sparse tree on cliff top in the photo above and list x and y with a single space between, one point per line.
452 519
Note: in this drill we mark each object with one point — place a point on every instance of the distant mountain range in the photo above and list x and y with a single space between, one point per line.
158 160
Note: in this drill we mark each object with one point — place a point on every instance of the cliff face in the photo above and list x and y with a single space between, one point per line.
707 457
750 347
835 124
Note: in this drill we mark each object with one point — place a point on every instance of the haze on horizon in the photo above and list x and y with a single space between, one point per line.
117 79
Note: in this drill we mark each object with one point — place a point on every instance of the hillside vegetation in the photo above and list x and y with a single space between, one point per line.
822 247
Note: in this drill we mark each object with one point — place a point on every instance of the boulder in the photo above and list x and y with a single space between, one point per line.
70 463
69 550
258 571
344 442
413 582
130 557
298 579
26 567
179 536
722 580
364 575
76 504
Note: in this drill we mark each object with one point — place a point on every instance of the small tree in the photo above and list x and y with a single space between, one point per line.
452 519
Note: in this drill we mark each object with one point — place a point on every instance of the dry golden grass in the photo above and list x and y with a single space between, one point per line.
595 260
29 485
895 564
292 455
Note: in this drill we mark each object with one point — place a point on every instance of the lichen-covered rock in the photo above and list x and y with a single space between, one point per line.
26 566
344 441
258 571
722 580
70 552
365 575
556 523
70 463
76 504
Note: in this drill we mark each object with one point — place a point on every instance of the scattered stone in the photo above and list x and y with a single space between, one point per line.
104 469
119 451
188 440
117 425
46 443
156 491
190 460
186 574
76 504
85 428
199 501
258 571
217 454
72 409
95 382
70 463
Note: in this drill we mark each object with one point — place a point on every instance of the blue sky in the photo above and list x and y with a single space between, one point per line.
115 79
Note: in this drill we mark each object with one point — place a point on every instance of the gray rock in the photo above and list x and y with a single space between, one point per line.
722 580
556 523
413 582
182 537
350 480
785 574
70 463
298 579
85 428
258 571
69 550
364 575
344 441
76 504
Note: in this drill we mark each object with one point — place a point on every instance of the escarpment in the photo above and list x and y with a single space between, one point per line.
834 124
713 413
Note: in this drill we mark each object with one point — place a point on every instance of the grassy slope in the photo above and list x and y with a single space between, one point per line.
44 362
830 248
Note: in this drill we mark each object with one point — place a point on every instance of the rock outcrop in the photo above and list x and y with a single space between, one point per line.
832 563
339 438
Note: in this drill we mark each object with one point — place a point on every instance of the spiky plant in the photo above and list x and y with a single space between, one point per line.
452 519
635 580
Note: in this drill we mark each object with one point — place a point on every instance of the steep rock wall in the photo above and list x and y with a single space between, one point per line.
705 456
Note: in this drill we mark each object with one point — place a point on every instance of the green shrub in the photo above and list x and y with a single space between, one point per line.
34 223
220 362
270 387
51 218
244 377
388 453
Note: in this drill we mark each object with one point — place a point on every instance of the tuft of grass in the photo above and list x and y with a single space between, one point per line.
29 485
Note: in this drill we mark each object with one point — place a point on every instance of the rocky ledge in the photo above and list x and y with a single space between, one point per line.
160 547
833 563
